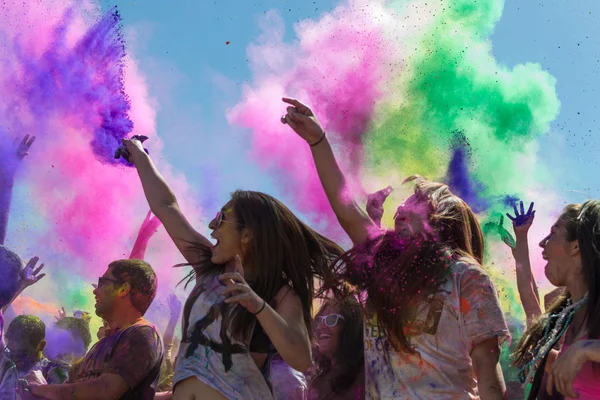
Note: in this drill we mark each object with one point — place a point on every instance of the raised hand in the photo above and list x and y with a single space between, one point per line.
498 227
13 158
174 305
522 220
303 121
22 149
149 226
375 203
32 274
239 290
61 314
130 147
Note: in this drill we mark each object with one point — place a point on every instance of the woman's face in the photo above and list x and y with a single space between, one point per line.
412 217
231 240
328 337
562 256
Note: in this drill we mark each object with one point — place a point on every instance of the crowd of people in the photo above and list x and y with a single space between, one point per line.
407 313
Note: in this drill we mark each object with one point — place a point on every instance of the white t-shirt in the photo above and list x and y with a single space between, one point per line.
464 312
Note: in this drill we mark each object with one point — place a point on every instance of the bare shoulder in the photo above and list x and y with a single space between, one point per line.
287 297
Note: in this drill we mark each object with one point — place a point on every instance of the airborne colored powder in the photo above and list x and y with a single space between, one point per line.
67 79
83 83
392 83
460 179
338 66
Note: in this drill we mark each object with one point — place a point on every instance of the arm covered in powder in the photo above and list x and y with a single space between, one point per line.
104 387
8 167
357 224
526 285
163 203
149 227
169 333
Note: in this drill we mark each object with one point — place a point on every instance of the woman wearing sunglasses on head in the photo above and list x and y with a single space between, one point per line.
253 289
338 371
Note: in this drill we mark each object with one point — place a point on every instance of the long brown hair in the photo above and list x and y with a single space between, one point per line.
582 223
396 273
451 218
349 354
283 251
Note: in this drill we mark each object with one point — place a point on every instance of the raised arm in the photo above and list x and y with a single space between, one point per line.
284 325
357 224
149 227
526 285
8 167
32 276
169 333
163 203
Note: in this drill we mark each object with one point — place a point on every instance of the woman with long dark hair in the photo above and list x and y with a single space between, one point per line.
572 252
338 371
433 325
253 289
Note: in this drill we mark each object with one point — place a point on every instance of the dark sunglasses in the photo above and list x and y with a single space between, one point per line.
330 320
219 220
103 281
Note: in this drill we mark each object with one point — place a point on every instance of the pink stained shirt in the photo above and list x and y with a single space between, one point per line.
587 381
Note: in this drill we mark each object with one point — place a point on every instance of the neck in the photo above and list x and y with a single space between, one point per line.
124 317
578 289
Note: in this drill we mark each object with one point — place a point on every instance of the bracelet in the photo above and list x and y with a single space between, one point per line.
318 141
261 309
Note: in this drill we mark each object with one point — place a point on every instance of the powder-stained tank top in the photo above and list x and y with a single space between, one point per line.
209 353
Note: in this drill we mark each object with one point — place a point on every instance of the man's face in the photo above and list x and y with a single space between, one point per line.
106 294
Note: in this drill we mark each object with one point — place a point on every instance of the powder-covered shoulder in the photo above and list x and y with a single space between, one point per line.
465 271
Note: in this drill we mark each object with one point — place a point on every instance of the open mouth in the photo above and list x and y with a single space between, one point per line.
324 336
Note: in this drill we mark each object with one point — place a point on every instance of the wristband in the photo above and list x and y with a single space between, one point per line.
318 141
261 309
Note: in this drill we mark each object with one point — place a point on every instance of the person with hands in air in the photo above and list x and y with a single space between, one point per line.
264 263
10 159
11 277
31 276
528 291
166 373
571 251
148 228
433 323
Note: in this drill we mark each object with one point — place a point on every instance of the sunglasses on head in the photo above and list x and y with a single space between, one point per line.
330 320
219 220
104 281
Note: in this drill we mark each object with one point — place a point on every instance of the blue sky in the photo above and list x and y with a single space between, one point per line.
196 76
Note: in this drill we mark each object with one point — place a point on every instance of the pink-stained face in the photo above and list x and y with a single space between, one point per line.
412 217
